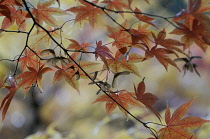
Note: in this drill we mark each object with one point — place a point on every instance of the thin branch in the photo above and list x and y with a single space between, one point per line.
133 12
27 38
66 52
14 31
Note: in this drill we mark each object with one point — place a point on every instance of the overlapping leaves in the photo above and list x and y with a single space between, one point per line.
123 98
177 126
86 12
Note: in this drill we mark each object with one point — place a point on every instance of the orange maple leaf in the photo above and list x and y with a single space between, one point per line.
118 5
121 37
140 35
102 51
28 59
67 72
122 97
144 18
14 15
178 127
196 34
44 13
72 73
78 47
7 100
33 76
120 64
167 43
162 56
196 24
196 9
147 99
86 12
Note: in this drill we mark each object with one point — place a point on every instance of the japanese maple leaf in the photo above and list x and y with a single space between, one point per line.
167 43
178 127
121 38
147 99
195 12
144 18
28 59
86 12
102 51
33 76
7 100
118 5
68 73
141 35
44 13
15 15
196 35
120 65
196 9
78 47
123 98
161 55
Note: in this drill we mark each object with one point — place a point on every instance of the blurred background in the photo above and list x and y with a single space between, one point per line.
61 113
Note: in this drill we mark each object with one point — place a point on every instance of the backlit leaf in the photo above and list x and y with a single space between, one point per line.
177 126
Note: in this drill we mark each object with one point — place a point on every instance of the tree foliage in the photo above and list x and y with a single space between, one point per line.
114 53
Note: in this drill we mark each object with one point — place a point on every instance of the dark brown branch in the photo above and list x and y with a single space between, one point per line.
26 45
133 12
66 52
14 31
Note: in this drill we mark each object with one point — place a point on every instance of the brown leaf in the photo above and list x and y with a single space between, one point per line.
123 98
147 99
177 126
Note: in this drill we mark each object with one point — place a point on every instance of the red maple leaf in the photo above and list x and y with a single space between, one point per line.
14 15
122 97
196 24
7 100
167 43
28 59
141 35
44 13
86 12
32 77
102 51
118 5
177 126
144 18
66 72
197 35
121 37
147 99
78 47
121 64
72 73
162 56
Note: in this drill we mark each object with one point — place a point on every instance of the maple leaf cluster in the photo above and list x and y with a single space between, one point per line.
130 44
